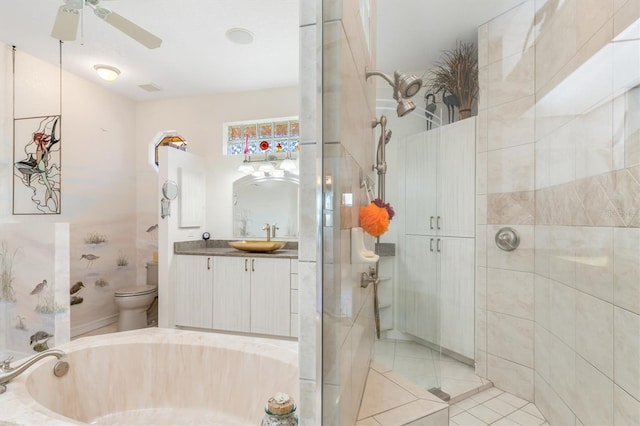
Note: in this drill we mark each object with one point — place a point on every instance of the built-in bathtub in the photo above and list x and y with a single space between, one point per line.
156 376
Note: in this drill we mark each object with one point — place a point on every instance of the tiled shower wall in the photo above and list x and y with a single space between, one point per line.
337 107
559 318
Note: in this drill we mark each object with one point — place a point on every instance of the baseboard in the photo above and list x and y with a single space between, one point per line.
93 325
394 335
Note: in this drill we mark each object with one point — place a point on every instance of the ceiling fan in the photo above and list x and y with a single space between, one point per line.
65 27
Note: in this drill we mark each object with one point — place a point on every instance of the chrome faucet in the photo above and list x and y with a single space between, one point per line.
8 373
267 228
274 228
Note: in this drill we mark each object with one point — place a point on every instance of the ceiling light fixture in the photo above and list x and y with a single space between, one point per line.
107 72
288 164
268 165
245 166
240 35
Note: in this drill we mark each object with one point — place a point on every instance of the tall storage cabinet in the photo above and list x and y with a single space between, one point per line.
439 262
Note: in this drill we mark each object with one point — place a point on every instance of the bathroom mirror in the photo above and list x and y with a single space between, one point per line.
266 199
170 190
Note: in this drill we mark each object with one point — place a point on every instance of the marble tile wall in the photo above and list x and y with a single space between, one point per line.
556 322
310 326
506 184
336 334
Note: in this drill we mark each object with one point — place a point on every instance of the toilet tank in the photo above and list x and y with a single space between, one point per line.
152 273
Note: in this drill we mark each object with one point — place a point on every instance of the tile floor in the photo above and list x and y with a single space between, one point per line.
427 368
396 392
495 407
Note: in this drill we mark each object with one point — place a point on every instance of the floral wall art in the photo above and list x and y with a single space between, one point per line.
37 180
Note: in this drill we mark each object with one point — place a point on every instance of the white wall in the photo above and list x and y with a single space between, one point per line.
98 174
169 231
107 185
199 120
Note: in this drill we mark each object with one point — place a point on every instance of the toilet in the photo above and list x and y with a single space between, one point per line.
134 301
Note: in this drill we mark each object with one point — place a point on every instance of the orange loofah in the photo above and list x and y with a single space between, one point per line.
374 220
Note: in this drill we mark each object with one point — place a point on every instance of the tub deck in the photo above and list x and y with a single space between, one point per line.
156 376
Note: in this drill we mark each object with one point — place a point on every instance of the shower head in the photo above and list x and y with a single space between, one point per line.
404 86
408 84
405 107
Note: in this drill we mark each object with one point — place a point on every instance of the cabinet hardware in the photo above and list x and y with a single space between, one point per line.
253 269
208 263
245 265
431 222
438 222
431 244
438 245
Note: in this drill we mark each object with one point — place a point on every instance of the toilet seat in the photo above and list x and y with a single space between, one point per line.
136 290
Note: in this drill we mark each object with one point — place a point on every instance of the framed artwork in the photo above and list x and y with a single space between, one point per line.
36 171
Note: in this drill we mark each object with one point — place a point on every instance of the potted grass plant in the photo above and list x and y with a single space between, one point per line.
457 74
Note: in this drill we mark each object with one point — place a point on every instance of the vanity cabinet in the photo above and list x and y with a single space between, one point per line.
194 293
252 294
241 294
231 294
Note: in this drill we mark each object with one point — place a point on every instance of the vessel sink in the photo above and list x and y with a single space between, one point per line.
257 245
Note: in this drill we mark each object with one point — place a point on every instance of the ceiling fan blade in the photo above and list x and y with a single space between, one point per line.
65 27
134 31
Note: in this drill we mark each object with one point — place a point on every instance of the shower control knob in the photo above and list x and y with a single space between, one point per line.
507 239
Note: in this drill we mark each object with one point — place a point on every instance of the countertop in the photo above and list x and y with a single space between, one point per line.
221 248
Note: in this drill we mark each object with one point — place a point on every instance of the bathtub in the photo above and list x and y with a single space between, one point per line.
155 377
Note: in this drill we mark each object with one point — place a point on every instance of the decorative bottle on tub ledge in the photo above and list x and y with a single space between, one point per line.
281 411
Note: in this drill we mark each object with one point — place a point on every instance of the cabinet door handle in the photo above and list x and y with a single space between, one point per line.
431 222
438 222
208 263
245 265
431 244
438 245
252 265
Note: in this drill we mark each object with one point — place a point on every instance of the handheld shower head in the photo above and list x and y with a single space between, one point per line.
404 107
387 136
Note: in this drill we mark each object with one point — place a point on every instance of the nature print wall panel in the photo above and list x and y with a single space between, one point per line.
37 157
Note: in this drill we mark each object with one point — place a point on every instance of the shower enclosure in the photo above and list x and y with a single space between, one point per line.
432 186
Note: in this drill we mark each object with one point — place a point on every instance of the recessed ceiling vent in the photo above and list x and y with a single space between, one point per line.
150 87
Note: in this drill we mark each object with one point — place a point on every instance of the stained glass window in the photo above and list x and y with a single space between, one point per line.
261 136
